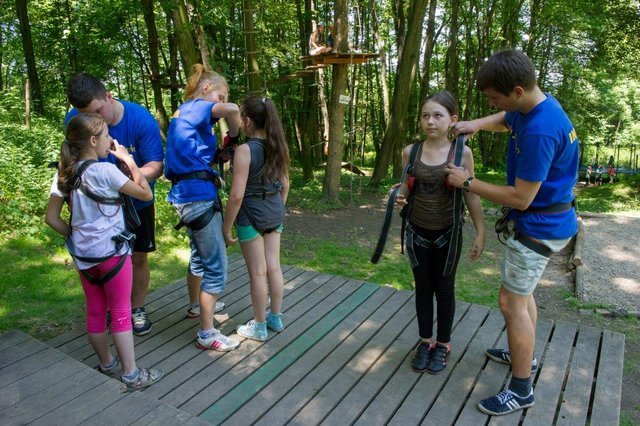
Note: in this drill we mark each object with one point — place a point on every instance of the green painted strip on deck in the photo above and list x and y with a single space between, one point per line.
238 396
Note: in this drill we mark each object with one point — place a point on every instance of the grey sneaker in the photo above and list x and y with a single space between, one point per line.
218 342
503 356
140 321
194 311
110 369
253 330
145 378
274 322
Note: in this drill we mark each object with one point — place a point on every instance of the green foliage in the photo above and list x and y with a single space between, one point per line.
621 196
24 176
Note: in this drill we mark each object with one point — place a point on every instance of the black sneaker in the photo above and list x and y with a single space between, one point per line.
421 358
439 355
140 321
506 402
503 356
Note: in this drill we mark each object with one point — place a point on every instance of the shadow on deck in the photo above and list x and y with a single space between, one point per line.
343 358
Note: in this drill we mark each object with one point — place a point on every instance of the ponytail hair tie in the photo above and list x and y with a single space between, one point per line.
264 100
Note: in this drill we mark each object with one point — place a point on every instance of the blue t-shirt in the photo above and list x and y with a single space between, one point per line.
191 145
543 147
138 131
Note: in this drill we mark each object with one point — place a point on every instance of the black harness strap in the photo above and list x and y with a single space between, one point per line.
382 239
457 211
204 219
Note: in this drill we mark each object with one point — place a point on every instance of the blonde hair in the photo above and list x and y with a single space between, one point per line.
198 78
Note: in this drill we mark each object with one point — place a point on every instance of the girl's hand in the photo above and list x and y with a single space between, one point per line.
476 248
228 238
119 151
401 198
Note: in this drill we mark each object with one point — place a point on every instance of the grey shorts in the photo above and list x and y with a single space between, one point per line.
523 267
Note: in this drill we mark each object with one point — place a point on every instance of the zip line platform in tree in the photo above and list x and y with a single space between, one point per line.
344 357
340 58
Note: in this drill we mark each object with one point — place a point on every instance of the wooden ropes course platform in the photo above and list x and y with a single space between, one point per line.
316 62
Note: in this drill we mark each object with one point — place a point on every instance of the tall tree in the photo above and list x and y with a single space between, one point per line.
29 57
451 62
184 34
395 132
253 71
331 184
429 42
153 42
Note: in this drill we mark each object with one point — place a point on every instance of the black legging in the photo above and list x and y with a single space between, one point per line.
430 282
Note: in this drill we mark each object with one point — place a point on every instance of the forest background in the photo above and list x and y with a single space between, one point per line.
587 53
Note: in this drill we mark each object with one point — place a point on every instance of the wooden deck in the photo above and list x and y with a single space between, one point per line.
343 358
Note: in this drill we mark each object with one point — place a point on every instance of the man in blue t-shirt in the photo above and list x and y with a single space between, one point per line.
136 129
542 169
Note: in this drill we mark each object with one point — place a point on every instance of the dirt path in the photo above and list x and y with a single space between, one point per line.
612 277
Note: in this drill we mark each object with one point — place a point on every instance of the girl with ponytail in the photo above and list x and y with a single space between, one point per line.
191 147
257 206
104 265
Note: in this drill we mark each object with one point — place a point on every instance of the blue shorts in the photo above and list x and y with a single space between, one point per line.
208 252
249 233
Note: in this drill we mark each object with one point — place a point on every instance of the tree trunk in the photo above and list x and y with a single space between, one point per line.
174 64
27 105
71 41
1 59
153 41
194 18
451 62
29 57
331 185
395 132
429 42
307 122
184 35
399 24
383 61
251 54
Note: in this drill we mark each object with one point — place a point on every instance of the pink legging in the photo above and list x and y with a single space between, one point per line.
114 295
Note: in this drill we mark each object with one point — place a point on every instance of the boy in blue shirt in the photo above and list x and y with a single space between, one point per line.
542 169
137 130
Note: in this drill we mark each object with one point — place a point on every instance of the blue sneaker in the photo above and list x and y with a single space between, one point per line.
253 330
274 322
505 402
503 356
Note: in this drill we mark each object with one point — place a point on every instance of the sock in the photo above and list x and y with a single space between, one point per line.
521 387
205 334
110 365
194 305
132 376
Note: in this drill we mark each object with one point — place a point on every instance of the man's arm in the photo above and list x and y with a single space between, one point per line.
152 170
490 123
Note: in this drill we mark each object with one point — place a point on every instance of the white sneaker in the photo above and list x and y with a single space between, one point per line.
217 341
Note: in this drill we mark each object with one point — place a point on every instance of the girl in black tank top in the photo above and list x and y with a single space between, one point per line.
256 205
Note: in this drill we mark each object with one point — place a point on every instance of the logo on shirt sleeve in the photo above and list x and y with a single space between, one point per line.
176 114
573 136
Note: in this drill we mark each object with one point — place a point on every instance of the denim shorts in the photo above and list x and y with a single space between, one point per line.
208 252
523 267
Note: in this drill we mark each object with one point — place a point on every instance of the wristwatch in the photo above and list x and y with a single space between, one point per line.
467 183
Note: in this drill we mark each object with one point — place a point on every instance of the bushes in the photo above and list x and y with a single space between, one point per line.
24 176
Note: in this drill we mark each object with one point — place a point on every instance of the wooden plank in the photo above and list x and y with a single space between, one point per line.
11 338
327 355
29 365
343 398
124 411
20 350
605 409
396 389
40 404
165 415
495 376
548 386
84 406
186 363
577 392
415 405
461 380
335 296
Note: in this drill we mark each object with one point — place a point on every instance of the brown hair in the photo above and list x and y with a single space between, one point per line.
445 99
505 70
77 134
83 88
199 77
263 114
